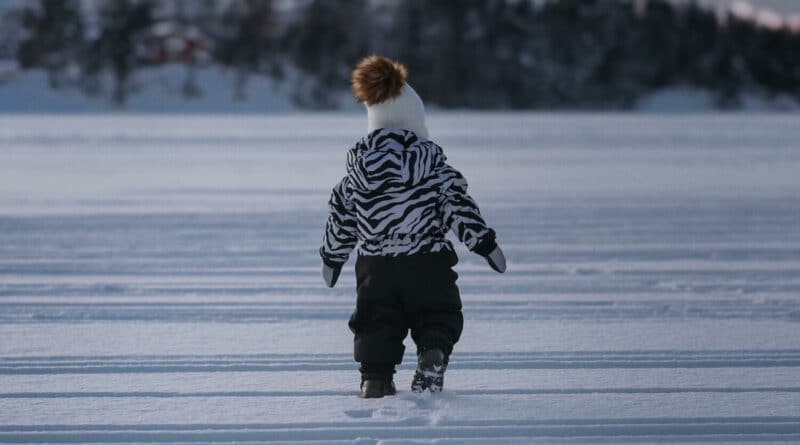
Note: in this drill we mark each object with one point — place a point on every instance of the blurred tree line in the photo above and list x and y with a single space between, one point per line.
491 54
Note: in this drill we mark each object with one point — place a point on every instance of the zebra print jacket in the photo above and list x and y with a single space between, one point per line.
400 197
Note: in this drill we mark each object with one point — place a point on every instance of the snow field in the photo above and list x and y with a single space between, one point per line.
159 282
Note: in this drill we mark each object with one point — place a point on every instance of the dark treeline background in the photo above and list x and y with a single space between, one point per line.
493 54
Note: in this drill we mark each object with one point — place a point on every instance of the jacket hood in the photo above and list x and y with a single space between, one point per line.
389 157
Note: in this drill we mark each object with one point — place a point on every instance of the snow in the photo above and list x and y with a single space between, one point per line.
159 282
158 89
764 17
769 19
683 98
676 99
793 23
8 69
743 10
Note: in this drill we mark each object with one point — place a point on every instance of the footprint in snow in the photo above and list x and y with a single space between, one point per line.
359 413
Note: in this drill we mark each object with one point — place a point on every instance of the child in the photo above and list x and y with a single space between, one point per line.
399 198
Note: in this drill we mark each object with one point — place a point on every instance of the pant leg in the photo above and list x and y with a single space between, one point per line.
438 330
378 323
432 301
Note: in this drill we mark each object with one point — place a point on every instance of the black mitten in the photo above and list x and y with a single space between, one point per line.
489 249
330 269
330 272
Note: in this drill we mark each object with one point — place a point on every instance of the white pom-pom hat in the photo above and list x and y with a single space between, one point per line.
380 83
405 111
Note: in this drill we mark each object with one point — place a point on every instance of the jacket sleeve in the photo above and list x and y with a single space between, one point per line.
341 228
461 213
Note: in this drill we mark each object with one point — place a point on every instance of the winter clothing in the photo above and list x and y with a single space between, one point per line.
376 370
398 293
330 273
430 371
400 197
377 388
496 259
404 111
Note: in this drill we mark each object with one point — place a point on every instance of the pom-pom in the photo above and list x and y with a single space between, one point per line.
377 79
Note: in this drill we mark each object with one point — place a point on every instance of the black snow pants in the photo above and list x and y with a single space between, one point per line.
398 293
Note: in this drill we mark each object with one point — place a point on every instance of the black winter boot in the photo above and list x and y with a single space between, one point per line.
430 371
377 388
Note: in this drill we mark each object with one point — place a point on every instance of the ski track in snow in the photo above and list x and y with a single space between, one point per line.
159 282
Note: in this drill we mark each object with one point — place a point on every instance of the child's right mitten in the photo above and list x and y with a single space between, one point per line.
493 254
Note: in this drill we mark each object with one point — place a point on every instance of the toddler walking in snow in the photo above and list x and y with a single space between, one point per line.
400 198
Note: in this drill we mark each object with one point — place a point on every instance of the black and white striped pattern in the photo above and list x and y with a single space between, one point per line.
399 197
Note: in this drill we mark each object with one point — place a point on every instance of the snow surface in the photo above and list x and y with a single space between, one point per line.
158 90
683 98
159 282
